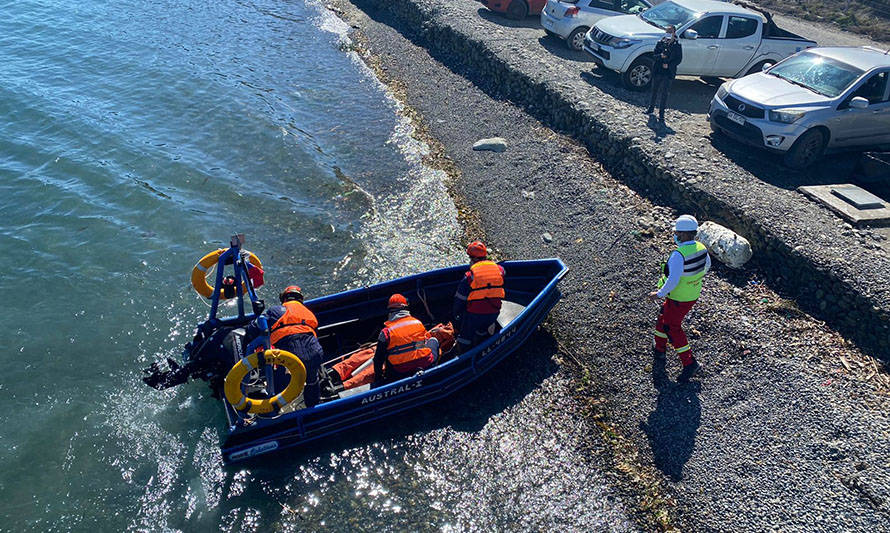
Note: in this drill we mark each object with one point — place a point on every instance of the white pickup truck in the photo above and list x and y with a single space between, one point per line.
719 39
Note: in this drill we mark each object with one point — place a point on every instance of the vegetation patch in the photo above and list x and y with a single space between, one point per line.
868 17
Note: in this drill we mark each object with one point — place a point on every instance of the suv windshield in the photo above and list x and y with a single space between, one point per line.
667 14
820 74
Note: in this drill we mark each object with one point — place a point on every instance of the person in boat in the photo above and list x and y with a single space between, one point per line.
477 302
293 328
404 346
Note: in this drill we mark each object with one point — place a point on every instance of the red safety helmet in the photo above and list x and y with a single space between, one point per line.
397 301
477 250
291 292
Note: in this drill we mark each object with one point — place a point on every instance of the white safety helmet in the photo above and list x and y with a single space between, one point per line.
686 223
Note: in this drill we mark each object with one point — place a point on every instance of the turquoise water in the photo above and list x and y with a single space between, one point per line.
136 137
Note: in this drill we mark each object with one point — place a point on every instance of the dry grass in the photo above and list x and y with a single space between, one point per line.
868 17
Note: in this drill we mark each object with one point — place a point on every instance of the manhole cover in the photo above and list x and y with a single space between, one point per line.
857 197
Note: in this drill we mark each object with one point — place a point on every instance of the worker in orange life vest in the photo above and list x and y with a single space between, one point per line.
477 302
293 328
404 346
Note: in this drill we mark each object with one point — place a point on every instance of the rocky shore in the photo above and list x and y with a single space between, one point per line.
833 271
787 429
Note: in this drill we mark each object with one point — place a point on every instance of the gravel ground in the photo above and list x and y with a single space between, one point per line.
826 34
787 428
797 242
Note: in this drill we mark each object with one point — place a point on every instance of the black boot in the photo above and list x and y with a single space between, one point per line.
689 371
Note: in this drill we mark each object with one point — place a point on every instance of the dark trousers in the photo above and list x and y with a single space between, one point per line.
474 328
306 347
661 86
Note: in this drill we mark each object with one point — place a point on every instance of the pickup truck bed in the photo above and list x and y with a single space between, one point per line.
772 31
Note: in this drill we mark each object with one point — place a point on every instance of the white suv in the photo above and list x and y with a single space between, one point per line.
820 99
570 19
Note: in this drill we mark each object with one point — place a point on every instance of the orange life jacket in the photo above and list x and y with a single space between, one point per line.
488 282
407 347
296 319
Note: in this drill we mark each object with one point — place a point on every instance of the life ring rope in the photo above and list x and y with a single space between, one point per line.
199 272
236 397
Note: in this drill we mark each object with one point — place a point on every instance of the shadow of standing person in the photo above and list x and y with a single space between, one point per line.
672 425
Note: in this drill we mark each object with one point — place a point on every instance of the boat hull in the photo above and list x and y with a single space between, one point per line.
530 284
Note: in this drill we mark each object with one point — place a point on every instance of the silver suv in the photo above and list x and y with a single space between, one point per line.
820 99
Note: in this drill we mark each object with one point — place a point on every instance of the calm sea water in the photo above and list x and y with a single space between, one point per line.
137 136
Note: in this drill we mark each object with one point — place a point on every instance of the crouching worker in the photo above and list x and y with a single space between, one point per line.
293 329
404 345
356 369
477 302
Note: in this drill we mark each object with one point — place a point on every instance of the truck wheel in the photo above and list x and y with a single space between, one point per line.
575 40
639 76
806 150
517 10
757 68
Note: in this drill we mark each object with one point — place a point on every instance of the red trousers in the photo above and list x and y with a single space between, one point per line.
670 328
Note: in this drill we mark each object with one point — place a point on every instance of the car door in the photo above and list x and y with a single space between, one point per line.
738 45
700 55
869 126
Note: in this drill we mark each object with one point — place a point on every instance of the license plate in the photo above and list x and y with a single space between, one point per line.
735 117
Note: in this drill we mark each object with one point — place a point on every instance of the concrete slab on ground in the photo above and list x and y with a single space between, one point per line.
852 203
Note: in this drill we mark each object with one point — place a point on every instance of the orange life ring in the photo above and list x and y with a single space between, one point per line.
199 272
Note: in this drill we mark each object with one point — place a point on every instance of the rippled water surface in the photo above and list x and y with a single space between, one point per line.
137 136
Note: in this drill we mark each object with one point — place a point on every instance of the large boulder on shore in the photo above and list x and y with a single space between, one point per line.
494 144
725 245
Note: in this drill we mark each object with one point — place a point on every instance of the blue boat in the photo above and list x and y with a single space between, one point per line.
347 321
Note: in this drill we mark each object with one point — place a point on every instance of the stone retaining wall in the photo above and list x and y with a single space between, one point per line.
802 247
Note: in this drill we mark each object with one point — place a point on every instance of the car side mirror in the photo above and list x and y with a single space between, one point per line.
859 102
766 66
690 34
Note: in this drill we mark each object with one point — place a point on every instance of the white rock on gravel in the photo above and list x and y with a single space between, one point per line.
493 144
725 245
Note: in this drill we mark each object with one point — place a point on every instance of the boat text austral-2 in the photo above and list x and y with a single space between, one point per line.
348 320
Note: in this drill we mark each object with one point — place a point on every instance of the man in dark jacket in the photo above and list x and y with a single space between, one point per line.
668 54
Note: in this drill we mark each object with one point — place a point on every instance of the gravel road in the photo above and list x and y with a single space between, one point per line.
787 429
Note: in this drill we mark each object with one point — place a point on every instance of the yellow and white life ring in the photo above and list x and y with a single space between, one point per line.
266 405
199 273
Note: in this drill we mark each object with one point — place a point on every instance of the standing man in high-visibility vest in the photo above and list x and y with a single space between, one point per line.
477 302
293 328
680 286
